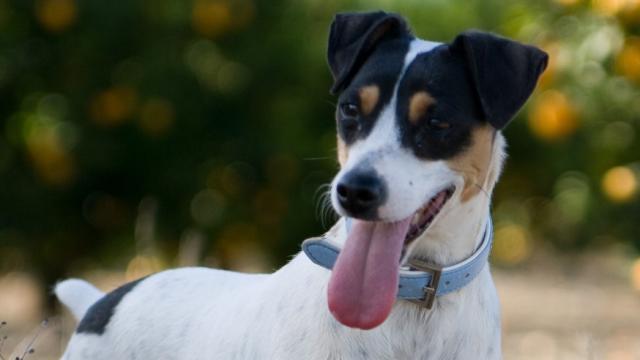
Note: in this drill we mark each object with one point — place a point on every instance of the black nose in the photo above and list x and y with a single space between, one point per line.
361 193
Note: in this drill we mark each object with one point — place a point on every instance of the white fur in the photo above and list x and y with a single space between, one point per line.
197 313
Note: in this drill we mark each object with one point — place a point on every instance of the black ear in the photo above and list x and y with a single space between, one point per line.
505 72
353 37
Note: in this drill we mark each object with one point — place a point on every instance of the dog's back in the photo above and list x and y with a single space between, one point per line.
153 317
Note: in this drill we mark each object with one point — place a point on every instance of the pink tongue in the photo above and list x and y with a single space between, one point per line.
364 281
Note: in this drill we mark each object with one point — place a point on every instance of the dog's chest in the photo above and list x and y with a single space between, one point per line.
447 336
460 326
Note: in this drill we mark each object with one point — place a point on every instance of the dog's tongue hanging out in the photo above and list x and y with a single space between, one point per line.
364 281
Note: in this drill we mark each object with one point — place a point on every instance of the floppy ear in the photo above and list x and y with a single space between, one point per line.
353 37
504 72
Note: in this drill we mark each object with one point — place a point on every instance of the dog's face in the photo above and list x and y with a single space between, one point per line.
416 124
417 118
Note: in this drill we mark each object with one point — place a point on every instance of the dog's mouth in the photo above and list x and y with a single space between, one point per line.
423 217
364 281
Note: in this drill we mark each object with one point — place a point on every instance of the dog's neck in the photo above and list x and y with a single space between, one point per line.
459 231
460 228
456 235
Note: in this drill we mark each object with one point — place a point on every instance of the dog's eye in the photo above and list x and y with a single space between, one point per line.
349 110
438 124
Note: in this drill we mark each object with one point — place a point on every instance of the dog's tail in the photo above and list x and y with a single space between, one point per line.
77 295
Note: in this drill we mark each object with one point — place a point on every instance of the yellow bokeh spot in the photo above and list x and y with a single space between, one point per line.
211 18
21 301
634 275
619 184
628 60
156 117
56 15
113 106
239 248
49 158
142 265
631 13
553 117
608 7
512 244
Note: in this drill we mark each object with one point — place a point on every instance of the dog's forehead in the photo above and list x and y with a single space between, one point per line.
388 63
417 47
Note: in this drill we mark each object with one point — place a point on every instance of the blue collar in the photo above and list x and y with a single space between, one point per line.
422 282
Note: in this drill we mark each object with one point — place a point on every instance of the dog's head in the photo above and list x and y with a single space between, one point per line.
417 123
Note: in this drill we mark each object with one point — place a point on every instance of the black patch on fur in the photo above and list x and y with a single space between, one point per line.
504 72
353 38
99 314
381 69
446 78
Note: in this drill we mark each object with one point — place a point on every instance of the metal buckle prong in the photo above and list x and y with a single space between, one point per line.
430 289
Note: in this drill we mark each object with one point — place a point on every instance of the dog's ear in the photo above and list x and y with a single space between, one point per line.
504 72
353 37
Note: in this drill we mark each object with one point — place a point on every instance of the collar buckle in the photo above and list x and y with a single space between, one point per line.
431 289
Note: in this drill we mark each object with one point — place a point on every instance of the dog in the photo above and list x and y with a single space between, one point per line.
420 150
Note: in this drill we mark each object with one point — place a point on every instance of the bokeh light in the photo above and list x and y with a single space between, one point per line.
113 106
142 265
207 207
634 274
628 60
21 299
572 196
553 116
619 184
512 244
56 15
211 17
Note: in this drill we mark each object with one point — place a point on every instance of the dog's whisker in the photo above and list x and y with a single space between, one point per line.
480 187
483 190
327 213
324 209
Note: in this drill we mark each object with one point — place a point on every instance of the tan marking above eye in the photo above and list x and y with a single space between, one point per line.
419 104
369 96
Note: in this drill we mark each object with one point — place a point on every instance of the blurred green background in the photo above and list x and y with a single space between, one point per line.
139 135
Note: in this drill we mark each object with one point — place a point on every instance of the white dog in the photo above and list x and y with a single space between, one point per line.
420 151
